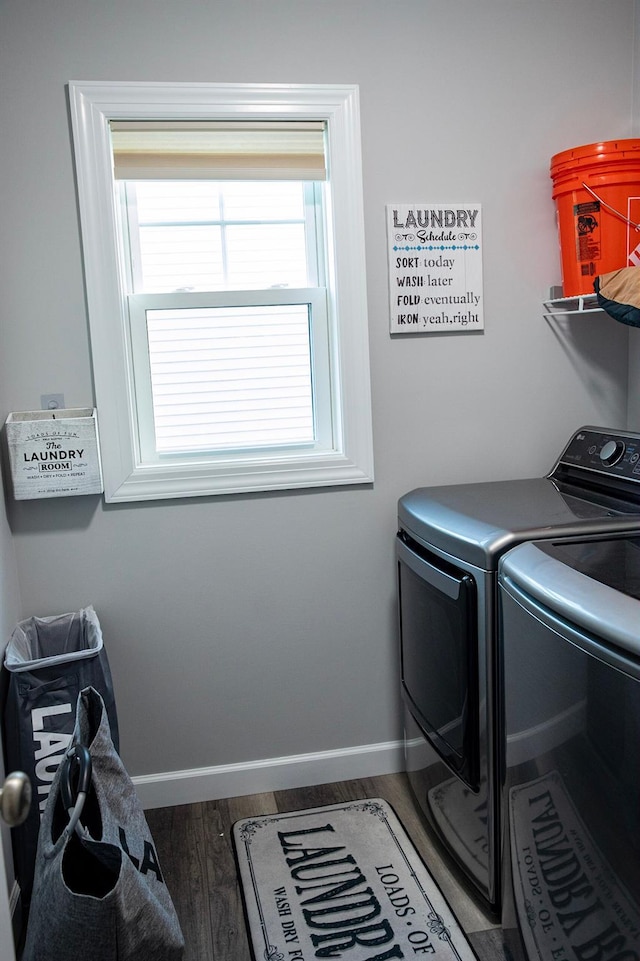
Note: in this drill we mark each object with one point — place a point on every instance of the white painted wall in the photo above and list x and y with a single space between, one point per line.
253 627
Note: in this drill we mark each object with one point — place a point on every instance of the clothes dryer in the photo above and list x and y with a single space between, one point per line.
449 543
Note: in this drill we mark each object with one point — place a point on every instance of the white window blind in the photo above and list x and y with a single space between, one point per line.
229 377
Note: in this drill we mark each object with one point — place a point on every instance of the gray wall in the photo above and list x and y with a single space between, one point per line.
250 627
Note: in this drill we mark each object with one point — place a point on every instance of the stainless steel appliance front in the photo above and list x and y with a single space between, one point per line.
449 544
570 627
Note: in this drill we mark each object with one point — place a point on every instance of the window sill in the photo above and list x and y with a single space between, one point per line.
164 482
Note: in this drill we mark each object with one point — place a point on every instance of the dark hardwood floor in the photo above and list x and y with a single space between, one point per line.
196 854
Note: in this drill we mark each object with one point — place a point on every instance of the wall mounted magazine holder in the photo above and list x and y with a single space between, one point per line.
54 453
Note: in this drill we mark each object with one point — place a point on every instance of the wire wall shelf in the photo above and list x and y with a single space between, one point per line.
558 306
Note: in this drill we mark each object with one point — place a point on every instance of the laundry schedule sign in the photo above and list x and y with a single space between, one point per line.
435 268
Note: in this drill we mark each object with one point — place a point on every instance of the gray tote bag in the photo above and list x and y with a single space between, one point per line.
99 892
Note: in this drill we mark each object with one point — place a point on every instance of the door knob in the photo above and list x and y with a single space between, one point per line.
15 799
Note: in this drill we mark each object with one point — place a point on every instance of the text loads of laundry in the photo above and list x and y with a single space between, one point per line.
435 268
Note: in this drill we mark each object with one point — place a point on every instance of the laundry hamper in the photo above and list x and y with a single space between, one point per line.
49 661
99 891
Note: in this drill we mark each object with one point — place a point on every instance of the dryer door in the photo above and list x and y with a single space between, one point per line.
439 655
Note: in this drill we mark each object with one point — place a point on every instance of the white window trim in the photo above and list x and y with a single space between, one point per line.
350 461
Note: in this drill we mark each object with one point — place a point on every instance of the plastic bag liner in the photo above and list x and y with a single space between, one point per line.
99 890
49 660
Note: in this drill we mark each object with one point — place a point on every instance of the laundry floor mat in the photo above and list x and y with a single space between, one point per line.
341 881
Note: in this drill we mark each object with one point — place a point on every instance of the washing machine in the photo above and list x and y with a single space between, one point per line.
449 544
569 614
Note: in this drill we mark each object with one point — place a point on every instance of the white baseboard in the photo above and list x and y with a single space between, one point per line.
272 774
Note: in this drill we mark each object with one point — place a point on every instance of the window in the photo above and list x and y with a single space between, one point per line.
223 248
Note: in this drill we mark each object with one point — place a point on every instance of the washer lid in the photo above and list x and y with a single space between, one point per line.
477 523
612 561
593 584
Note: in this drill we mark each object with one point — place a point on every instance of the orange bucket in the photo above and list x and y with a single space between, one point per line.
597 193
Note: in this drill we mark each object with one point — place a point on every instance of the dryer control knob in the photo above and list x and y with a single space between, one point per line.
611 452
